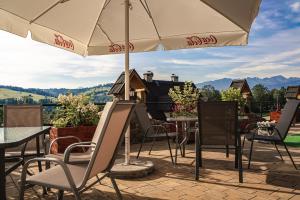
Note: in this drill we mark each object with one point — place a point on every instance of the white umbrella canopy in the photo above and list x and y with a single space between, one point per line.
99 27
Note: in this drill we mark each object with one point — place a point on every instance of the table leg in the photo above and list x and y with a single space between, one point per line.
177 142
2 175
183 141
38 154
197 155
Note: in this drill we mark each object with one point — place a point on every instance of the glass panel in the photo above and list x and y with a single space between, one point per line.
15 134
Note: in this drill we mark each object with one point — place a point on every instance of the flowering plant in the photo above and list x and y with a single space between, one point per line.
185 99
232 94
75 110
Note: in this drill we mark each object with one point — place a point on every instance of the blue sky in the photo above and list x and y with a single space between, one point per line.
274 49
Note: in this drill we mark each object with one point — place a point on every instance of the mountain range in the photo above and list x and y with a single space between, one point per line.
99 92
270 83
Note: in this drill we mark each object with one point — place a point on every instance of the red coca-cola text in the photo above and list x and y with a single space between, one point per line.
197 41
60 41
116 48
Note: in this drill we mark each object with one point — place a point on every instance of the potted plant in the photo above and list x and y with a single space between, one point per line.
185 100
75 116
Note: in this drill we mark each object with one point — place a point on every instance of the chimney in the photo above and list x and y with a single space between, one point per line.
174 78
148 76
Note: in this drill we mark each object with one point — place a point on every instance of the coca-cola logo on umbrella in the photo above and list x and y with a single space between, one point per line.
116 48
197 41
60 41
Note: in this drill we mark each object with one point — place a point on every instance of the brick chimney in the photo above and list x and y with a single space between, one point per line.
174 78
148 76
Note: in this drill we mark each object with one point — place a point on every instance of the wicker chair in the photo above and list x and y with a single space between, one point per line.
218 130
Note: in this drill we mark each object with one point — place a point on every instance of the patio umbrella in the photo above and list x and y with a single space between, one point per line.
97 27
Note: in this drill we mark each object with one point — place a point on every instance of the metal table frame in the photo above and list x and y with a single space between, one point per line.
3 146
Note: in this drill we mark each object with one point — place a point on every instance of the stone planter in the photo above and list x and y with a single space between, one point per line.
85 133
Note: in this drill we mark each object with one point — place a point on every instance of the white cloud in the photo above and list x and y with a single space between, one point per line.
26 63
295 6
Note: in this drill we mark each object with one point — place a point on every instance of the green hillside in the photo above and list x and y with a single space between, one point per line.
7 93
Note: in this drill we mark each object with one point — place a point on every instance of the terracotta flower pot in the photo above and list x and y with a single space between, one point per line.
85 133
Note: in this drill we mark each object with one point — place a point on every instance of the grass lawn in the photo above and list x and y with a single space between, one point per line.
293 140
7 93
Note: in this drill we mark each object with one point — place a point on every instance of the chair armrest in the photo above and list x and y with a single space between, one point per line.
63 138
69 149
54 160
251 126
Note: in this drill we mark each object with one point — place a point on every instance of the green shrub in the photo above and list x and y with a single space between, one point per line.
75 111
232 94
185 99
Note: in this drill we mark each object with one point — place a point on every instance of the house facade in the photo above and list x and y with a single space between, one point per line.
152 92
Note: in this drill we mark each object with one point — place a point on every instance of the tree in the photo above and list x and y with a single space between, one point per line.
261 93
278 96
262 99
210 93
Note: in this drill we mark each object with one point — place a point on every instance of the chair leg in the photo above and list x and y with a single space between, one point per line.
116 188
153 141
60 195
141 146
290 155
76 194
170 149
236 158
240 164
243 142
250 153
200 156
21 191
227 151
278 151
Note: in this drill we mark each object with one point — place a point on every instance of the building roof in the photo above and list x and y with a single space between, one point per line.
241 84
118 86
158 90
292 92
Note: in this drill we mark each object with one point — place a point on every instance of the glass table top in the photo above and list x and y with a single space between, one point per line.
9 135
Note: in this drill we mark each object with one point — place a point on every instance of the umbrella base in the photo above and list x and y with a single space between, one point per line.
136 169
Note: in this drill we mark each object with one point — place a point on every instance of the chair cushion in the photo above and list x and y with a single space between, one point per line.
56 178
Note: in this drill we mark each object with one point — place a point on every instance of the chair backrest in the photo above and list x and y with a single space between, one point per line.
287 115
110 139
107 108
23 115
143 117
218 123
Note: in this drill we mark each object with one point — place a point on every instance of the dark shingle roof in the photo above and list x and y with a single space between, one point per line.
119 84
159 90
241 84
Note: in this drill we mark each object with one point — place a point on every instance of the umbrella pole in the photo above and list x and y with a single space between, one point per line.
127 79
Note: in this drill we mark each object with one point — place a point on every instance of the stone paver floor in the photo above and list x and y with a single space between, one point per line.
269 178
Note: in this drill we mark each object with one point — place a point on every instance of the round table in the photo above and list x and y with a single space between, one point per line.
185 121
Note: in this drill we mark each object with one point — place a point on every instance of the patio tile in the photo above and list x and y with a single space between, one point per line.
269 178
